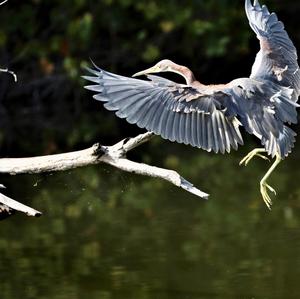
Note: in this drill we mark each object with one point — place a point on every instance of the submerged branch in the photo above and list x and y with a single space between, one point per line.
113 155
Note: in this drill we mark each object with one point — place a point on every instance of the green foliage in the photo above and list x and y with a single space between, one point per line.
48 43
121 33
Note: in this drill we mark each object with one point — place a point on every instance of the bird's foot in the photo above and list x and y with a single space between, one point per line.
264 187
252 154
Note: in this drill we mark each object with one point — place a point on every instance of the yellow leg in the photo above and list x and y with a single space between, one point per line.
264 186
252 154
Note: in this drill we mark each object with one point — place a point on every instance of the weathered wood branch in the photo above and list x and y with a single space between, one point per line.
8 71
8 206
114 155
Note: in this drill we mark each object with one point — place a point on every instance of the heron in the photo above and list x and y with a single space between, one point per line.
210 116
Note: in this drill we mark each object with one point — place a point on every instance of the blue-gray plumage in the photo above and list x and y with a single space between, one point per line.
210 116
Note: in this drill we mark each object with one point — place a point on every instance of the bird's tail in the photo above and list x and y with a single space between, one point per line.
281 145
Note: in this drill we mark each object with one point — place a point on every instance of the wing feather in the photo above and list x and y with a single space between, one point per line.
216 145
277 59
167 132
209 134
221 130
170 127
187 131
204 131
194 141
165 108
176 128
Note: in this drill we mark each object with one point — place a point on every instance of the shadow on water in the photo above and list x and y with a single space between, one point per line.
107 234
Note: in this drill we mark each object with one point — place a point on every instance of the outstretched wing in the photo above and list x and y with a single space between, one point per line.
277 59
174 111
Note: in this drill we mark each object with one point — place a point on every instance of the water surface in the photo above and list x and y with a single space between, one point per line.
106 234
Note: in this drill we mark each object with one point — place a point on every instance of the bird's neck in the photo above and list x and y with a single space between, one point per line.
186 73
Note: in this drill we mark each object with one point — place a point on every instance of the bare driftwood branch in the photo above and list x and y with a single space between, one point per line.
114 155
5 211
8 71
8 205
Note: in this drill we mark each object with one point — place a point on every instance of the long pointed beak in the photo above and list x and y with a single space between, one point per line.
151 70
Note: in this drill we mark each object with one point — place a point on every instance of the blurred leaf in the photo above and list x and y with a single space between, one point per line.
151 53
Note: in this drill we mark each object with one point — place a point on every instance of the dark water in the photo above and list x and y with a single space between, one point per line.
106 234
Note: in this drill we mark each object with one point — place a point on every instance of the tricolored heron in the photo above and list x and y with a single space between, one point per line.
209 116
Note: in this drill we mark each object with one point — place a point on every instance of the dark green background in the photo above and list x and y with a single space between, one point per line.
107 234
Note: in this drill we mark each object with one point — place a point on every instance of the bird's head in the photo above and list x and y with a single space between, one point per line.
165 65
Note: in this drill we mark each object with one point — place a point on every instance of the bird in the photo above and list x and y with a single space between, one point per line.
210 117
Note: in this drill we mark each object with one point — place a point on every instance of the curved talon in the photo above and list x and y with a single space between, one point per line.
252 154
264 187
271 189
263 157
264 192
246 159
266 198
